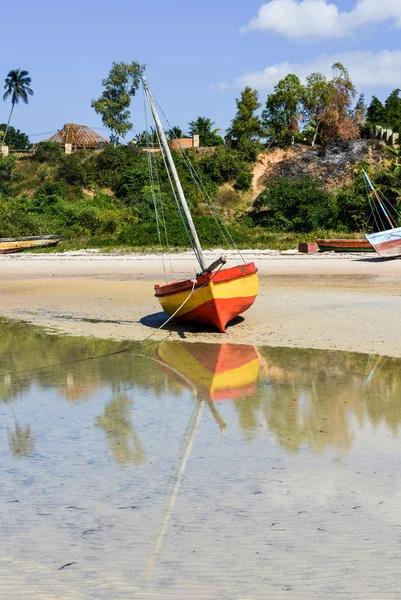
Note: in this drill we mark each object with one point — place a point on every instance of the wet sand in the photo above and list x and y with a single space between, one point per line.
343 302
347 302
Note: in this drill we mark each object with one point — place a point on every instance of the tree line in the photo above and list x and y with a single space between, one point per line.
48 192
319 110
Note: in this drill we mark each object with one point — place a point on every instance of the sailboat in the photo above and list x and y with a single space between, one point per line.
387 243
216 295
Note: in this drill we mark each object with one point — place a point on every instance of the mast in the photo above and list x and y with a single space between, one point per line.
380 203
180 191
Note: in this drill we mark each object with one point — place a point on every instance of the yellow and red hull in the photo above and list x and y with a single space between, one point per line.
217 371
216 299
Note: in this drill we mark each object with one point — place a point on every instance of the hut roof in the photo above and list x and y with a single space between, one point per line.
79 136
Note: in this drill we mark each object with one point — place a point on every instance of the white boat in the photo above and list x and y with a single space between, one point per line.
387 243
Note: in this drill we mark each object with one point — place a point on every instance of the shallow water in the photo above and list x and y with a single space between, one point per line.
190 471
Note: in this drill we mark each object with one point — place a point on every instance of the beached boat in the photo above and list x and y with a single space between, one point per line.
216 295
11 245
387 243
342 245
215 371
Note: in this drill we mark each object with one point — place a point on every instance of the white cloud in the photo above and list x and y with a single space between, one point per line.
310 19
367 69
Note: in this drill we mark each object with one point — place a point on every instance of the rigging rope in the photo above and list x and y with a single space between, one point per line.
123 350
195 176
191 242
163 215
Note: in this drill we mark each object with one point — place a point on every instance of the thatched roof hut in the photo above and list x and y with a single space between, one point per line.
78 136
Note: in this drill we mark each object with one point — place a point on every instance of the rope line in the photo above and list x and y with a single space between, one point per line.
152 187
116 352
163 215
195 176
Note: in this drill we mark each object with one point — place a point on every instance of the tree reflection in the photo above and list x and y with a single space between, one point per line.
21 441
116 422
304 398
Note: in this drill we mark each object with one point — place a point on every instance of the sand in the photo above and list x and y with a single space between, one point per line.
344 302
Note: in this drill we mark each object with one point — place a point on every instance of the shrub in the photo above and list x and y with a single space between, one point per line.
107 167
7 171
244 181
131 184
300 206
50 152
221 165
72 169
60 188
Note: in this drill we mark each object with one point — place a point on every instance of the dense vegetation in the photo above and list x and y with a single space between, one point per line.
105 198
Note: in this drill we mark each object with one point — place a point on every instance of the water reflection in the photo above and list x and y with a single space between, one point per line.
123 440
213 371
21 442
304 398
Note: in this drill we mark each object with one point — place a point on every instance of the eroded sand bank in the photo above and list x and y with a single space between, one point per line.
332 301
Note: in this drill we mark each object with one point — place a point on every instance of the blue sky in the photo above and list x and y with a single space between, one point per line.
199 55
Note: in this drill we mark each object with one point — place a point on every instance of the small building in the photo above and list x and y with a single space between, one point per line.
189 142
78 137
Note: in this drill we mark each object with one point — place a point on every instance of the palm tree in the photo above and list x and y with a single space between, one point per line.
202 126
175 133
17 86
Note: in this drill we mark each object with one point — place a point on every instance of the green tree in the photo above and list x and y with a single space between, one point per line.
375 113
246 127
314 102
17 87
175 133
282 113
16 139
202 126
392 110
113 105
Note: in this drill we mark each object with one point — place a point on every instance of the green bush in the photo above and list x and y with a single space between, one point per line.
244 181
72 169
107 167
221 165
7 173
300 206
50 152
131 184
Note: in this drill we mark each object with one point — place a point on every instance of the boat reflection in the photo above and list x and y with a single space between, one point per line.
214 371
311 399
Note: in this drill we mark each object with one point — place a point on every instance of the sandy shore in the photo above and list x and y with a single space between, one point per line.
344 302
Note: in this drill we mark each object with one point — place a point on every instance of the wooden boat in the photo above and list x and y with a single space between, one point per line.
387 243
215 371
11 245
342 245
216 295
